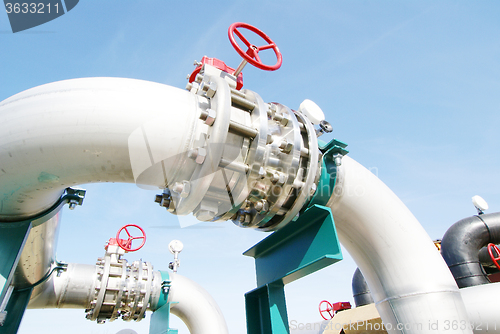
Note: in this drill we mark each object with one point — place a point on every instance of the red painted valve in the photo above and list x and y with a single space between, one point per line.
252 54
325 308
126 244
495 258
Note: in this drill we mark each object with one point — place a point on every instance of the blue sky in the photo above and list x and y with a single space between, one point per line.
413 87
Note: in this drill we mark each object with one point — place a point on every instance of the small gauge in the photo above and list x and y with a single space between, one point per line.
175 246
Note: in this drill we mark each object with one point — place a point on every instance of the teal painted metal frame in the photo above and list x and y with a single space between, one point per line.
300 248
160 319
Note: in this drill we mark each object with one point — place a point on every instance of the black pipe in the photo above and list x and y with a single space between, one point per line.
360 290
461 244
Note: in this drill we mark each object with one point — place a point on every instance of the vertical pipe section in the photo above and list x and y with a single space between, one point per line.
360 291
410 283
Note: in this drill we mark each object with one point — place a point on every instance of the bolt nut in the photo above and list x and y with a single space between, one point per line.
201 89
313 189
182 188
337 159
158 198
262 172
165 202
210 117
286 147
194 87
198 155
211 89
325 126
261 206
205 215
278 178
284 120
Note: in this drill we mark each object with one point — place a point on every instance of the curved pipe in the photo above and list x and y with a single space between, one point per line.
383 237
83 131
360 291
461 245
195 307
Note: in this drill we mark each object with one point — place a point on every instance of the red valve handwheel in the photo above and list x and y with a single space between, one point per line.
328 309
252 54
494 258
126 244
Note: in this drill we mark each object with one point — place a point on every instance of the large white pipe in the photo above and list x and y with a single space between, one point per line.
481 302
410 282
81 131
195 307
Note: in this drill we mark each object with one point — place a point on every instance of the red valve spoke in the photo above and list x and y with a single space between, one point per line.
243 39
256 56
265 47
126 231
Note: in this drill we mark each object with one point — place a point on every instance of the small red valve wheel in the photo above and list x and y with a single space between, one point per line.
325 308
252 54
126 244
495 258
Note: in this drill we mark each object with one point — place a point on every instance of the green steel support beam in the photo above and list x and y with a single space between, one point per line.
13 236
15 310
300 248
266 310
